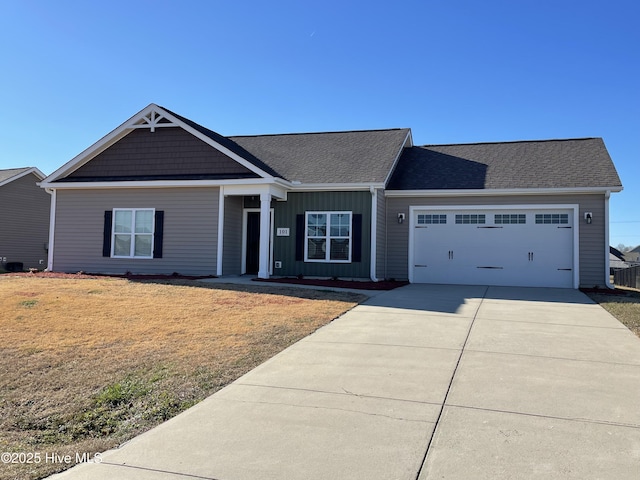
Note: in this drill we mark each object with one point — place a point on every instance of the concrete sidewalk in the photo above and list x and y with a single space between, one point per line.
422 382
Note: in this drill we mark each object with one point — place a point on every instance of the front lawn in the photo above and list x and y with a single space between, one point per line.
86 364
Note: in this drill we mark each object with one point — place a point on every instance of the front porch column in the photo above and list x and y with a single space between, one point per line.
265 217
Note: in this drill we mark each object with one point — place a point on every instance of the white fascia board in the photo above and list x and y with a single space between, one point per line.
498 192
333 187
17 176
158 184
408 142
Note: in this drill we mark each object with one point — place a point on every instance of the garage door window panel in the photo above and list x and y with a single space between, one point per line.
552 218
510 218
429 219
471 219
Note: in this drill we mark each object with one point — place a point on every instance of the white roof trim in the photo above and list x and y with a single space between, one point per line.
160 183
128 126
33 170
314 187
499 191
283 184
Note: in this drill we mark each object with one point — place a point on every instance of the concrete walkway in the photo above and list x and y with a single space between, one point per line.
422 382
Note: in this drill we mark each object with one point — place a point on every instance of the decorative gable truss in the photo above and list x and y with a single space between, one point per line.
153 119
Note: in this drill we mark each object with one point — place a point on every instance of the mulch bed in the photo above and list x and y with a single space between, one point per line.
357 284
128 276
605 291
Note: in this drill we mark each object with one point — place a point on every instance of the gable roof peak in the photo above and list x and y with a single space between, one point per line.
10 174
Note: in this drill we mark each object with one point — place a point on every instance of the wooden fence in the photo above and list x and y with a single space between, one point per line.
627 277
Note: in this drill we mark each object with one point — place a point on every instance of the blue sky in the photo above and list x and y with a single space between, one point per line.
453 71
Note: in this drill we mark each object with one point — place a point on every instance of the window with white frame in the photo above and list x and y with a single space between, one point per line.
328 237
133 231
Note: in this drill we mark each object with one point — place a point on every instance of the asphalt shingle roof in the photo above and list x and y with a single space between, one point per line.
572 163
332 157
11 172
329 157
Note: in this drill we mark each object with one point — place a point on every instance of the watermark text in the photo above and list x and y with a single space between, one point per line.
49 458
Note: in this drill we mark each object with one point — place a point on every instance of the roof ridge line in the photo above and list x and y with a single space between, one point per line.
320 133
510 141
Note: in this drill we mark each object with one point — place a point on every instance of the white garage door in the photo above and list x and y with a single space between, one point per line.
519 247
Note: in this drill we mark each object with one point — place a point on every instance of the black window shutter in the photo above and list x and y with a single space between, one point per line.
159 233
106 234
299 238
356 253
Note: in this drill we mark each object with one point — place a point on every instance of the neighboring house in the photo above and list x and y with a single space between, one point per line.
162 194
633 255
24 219
616 260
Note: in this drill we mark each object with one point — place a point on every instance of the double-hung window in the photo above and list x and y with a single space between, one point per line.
133 231
328 237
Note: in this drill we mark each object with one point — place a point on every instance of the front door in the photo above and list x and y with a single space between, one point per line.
252 255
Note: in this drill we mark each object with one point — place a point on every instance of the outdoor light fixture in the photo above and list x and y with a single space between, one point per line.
588 217
400 218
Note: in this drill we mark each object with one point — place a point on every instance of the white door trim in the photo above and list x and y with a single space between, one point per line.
576 223
243 265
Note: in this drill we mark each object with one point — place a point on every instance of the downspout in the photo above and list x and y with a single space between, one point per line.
374 232
607 266
52 226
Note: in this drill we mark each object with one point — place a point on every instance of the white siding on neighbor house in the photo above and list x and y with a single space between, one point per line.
190 230
591 237
24 222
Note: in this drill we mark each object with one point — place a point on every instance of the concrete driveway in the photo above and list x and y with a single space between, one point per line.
422 382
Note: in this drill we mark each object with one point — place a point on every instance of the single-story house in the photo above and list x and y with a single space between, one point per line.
163 194
24 219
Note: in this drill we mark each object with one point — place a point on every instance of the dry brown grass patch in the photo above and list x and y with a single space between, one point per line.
86 364
625 307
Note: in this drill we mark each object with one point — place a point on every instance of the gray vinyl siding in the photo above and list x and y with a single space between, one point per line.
24 222
591 237
301 202
190 230
232 243
381 236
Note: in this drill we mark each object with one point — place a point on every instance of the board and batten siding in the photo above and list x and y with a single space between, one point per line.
190 230
24 222
381 236
300 202
591 237
232 237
